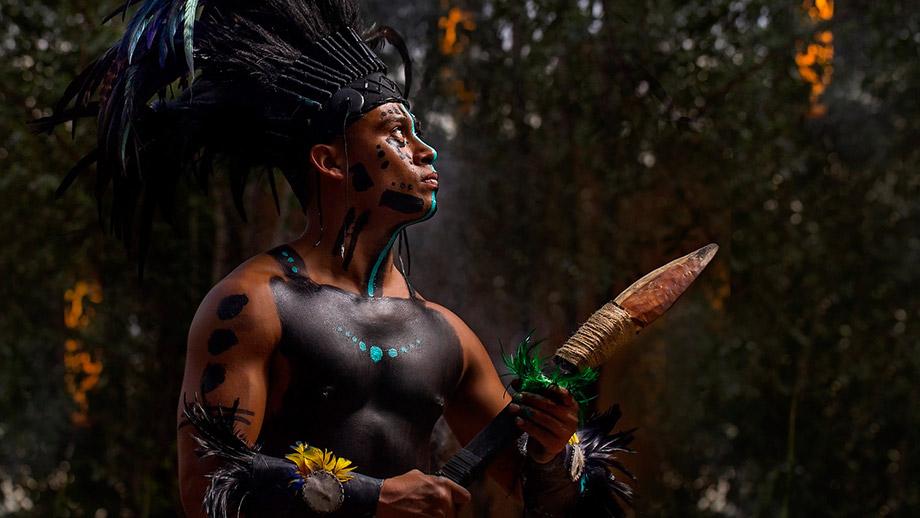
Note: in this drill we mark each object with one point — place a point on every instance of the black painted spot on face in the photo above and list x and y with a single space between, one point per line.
221 340
380 152
231 306
401 202
398 146
359 178
384 164
212 377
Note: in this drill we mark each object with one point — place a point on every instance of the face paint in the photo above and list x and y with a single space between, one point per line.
360 179
401 202
375 271
221 340
399 146
231 306
414 134
212 377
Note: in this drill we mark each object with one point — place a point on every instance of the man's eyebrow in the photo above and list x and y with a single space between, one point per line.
387 117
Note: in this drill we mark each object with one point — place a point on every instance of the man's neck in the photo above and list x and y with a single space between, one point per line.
352 251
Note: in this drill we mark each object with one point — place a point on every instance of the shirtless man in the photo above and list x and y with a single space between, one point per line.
329 344
322 340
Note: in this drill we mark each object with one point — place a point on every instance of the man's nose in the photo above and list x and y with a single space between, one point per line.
426 155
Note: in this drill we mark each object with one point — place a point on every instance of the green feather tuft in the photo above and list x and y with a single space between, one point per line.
535 376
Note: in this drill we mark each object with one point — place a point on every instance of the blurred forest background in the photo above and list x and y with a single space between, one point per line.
583 143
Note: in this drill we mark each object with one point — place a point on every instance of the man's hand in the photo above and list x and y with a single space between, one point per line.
417 494
549 419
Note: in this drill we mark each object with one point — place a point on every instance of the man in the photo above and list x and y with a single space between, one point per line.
321 341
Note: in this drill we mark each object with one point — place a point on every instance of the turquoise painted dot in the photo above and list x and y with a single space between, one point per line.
362 346
418 341
376 353
347 333
290 259
294 269
284 253
339 329
403 349
354 339
392 353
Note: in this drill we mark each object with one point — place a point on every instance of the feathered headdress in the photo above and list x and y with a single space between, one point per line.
255 82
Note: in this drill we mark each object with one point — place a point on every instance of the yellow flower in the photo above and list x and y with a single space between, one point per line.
309 459
573 440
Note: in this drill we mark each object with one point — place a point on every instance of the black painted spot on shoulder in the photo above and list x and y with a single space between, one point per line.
401 202
212 377
384 164
359 178
231 306
221 340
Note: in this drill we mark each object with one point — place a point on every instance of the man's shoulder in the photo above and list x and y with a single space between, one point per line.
467 336
242 300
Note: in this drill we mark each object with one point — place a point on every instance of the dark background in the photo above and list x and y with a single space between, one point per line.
582 144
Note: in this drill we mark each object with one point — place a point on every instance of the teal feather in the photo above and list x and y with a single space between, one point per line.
191 7
136 28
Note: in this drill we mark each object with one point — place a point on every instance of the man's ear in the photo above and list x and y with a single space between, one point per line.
327 160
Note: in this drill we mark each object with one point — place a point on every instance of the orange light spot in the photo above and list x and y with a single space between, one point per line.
456 17
815 62
81 373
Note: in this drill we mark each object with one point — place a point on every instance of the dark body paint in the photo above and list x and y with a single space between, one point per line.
401 202
360 178
214 374
221 340
231 306
376 406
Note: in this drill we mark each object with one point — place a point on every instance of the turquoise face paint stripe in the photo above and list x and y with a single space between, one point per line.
371 283
412 121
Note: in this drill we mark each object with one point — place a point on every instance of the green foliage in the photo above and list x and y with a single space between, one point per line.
535 376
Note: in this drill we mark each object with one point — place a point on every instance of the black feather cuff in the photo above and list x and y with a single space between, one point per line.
248 482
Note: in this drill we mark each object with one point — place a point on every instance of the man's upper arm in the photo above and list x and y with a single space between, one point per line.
481 394
230 344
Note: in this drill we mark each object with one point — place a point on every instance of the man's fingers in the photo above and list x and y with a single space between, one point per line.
549 422
545 403
537 432
567 416
459 494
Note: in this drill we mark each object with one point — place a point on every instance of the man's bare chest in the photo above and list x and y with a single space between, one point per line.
357 360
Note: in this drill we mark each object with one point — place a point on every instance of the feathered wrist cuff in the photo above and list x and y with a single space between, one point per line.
328 483
262 485
590 465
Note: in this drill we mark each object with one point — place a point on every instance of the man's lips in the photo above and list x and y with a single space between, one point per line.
431 179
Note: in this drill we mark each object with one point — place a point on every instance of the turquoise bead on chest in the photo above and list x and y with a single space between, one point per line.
376 352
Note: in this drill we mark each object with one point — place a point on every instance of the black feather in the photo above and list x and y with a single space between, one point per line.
80 166
217 437
266 70
603 487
